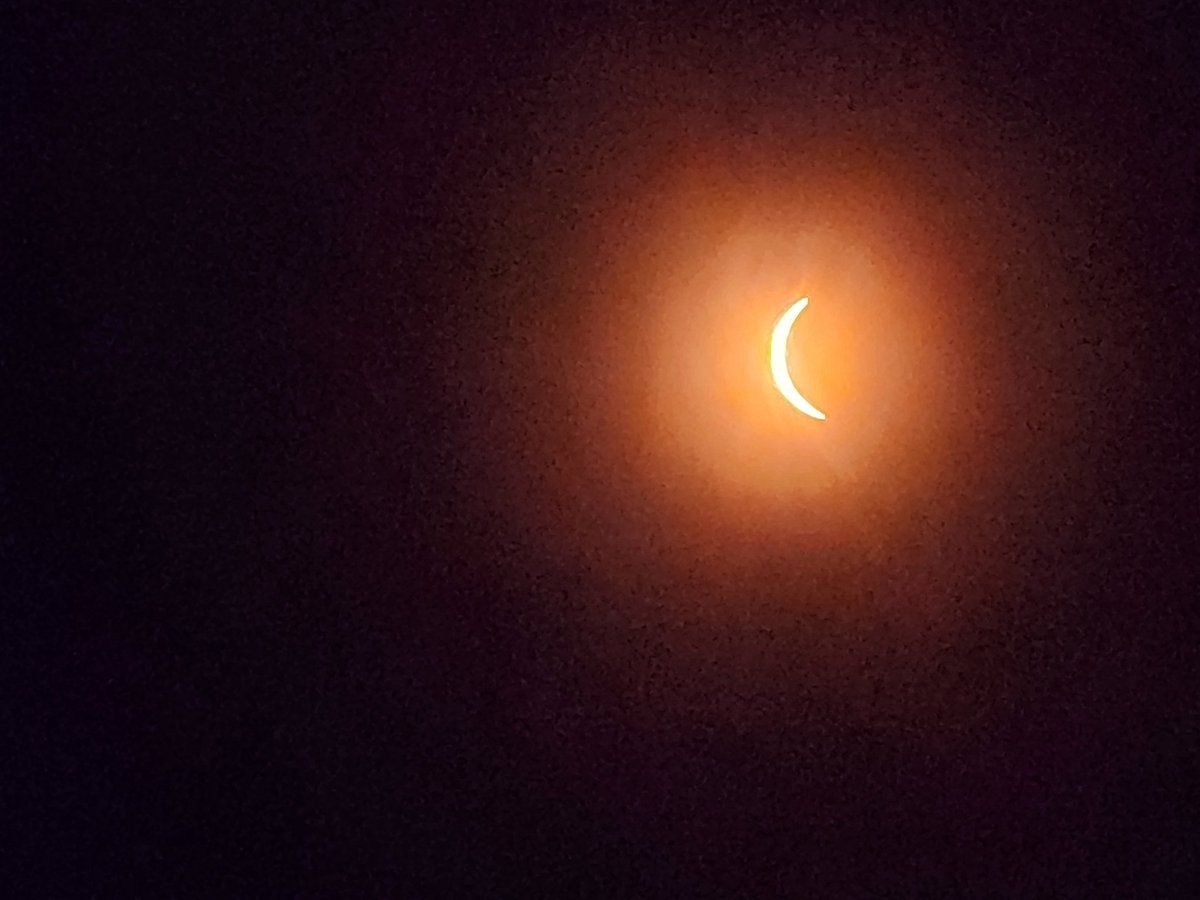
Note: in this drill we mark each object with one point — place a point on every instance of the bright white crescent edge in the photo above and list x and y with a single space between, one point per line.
779 366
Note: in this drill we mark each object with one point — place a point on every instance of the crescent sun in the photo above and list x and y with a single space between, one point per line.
779 367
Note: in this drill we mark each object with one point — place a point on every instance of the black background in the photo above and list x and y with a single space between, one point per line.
260 640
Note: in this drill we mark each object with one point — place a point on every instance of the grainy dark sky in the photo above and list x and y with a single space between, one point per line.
350 548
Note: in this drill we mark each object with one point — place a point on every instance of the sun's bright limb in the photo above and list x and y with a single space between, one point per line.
779 367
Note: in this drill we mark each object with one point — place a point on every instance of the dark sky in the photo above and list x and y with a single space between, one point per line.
349 548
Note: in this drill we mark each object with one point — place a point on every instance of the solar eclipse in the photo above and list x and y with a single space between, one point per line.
779 366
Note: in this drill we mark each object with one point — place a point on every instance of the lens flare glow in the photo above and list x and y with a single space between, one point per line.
779 367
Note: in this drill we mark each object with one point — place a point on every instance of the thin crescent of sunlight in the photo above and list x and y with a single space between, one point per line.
779 367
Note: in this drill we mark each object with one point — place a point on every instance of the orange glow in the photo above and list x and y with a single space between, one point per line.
635 430
623 440
872 350
648 405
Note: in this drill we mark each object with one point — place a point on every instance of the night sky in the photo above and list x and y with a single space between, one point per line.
392 501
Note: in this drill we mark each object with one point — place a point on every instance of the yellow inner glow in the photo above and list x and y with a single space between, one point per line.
779 367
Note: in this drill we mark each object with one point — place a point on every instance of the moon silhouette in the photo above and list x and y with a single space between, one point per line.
779 367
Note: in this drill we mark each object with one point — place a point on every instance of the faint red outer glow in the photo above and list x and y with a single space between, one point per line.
658 414
633 430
